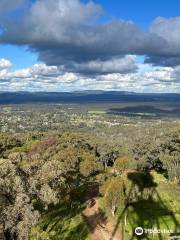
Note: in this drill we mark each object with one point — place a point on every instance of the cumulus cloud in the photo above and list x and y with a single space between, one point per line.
37 70
168 29
80 52
4 64
41 77
126 64
176 74
169 52
160 75
71 36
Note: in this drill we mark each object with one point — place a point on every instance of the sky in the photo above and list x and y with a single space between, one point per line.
76 45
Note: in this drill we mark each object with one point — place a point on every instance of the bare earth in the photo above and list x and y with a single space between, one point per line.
100 227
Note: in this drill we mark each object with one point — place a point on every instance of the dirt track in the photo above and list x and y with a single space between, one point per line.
99 225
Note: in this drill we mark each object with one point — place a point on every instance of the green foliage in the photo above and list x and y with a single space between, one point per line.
150 202
122 164
113 192
44 178
8 142
90 165
60 223
47 174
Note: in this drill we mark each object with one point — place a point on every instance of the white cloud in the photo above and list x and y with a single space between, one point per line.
41 77
168 29
35 71
44 70
161 74
75 33
4 64
68 78
124 64
76 37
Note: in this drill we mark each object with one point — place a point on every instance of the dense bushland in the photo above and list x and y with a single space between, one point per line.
45 174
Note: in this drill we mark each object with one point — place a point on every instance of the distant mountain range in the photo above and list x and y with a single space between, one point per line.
85 97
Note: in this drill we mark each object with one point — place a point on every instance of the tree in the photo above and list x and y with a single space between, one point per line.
113 192
90 165
8 142
17 213
122 164
171 162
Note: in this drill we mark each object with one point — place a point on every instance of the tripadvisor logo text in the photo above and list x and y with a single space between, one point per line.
140 231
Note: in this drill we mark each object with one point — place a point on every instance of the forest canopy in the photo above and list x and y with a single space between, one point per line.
41 171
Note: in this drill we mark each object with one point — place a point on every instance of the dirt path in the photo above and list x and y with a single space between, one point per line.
100 227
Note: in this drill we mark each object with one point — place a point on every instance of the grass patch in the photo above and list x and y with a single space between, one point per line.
160 211
61 223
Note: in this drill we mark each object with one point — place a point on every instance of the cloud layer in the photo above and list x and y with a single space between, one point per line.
72 34
41 77
79 50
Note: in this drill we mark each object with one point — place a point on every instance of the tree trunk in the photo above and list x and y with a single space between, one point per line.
125 219
113 210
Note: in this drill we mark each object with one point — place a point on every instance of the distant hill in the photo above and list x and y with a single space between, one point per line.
85 97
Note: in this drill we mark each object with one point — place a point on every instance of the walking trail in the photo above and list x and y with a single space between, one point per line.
101 228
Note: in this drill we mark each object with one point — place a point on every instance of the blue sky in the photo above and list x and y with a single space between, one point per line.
19 56
66 45
142 12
